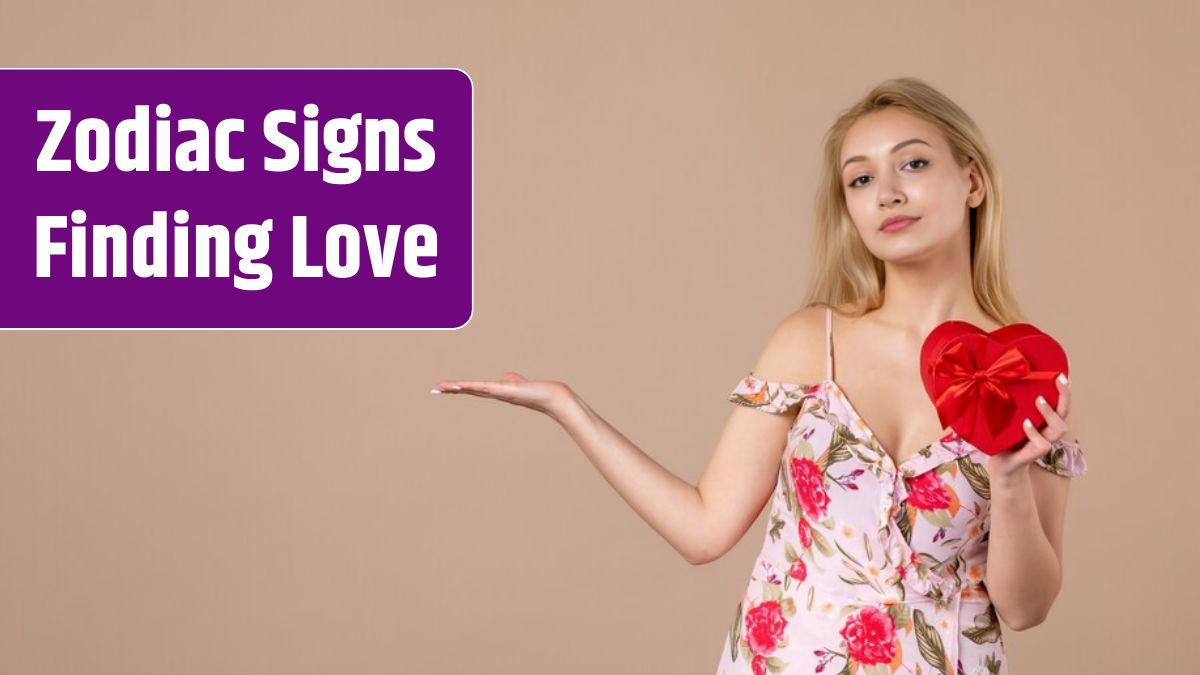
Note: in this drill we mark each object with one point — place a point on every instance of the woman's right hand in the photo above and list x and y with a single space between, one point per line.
547 396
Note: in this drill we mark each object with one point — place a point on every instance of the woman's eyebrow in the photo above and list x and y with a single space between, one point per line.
901 144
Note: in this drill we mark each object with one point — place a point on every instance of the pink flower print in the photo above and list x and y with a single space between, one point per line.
810 487
805 533
764 627
759 664
798 570
927 492
870 636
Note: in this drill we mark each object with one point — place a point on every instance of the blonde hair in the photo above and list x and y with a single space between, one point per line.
845 271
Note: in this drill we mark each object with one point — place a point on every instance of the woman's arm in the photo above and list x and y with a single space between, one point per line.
703 521
1024 562
1028 510
700 521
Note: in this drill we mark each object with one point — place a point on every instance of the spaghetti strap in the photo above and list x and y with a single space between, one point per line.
828 343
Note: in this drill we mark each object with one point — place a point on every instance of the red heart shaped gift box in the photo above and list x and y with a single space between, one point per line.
984 384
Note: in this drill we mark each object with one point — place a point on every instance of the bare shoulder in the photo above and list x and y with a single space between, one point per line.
795 351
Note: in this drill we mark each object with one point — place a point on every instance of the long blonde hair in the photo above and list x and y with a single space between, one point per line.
843 270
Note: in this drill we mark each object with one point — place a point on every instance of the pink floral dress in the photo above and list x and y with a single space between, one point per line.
867 567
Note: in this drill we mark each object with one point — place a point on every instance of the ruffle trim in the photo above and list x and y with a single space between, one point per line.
1065 460
769 395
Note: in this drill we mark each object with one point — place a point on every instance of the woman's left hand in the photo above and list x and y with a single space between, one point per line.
1009 464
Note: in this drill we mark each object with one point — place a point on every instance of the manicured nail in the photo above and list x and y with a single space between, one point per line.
1028 424
1062 377
435 391
1041 400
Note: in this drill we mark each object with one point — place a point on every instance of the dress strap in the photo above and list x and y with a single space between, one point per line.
828 343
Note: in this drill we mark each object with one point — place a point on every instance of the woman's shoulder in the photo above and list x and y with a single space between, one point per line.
795 350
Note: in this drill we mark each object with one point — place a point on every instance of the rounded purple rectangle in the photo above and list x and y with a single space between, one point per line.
344 201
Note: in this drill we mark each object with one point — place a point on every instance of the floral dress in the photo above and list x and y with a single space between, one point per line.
867 567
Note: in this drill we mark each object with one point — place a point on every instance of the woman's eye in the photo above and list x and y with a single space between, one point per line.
854 183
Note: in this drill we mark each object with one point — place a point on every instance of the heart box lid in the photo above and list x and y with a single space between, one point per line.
984 384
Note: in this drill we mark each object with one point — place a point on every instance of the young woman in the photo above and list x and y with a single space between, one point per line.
892 545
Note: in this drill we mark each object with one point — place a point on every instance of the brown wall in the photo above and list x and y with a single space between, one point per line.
297 502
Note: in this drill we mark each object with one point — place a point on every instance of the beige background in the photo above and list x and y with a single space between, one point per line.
297 502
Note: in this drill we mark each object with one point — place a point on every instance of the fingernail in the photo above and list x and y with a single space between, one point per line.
1041 400
435 391
1028 423
1062 377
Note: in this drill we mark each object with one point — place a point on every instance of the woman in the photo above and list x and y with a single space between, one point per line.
894 545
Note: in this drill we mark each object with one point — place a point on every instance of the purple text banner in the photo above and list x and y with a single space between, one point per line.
236 198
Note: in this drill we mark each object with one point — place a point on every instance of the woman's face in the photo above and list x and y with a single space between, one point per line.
885 173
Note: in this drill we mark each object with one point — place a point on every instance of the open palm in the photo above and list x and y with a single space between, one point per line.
547 396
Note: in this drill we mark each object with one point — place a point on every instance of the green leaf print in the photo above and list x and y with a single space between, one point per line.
788 607
746 653
735 633
805 450
958 563
867 546
847 437
820 541
938 517
777 525
977 476
864 578
987 627
901 614
904 524
811 591
865 459
786 484
846 554
928 560
836 454
930 643
1052 460
789 553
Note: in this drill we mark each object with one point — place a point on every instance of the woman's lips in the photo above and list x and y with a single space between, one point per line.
899 224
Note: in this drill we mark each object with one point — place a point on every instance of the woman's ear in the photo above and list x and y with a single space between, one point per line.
978 187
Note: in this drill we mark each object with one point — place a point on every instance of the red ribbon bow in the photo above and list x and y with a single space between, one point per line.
971 387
